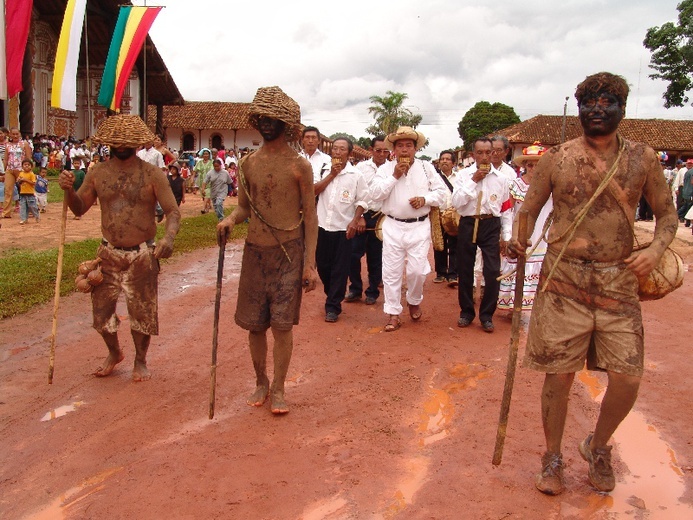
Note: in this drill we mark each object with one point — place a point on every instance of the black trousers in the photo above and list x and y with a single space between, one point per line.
366 244
446 260
488 239
333 256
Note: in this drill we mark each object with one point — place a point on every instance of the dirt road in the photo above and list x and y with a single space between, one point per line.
397 425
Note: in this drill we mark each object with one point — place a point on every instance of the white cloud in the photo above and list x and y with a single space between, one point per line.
445 54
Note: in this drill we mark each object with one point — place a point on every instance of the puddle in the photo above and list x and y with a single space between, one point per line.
60 507
435 418
375 330
12 352
325 509
416 471
654 482
62 410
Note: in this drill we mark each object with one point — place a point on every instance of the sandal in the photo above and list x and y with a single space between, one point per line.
415 312
394 323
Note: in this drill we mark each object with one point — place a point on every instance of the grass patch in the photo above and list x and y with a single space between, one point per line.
28 277
55 192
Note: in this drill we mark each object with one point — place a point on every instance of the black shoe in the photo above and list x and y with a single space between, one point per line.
352 297
370 300
159 218
452 281
487 326
463 321
331 317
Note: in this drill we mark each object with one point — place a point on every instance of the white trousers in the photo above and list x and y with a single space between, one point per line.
402 242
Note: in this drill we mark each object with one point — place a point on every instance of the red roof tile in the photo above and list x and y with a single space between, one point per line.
660 134
206 115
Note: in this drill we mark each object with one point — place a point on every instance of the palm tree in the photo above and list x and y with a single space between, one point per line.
389 113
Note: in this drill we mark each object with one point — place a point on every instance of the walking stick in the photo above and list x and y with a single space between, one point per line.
215 333
476 219
56 298
514 342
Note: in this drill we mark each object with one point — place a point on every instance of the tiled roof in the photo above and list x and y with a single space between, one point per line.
205 115
660 134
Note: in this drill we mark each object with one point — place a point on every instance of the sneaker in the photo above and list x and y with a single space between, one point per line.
452 281
463 321
439 279
487 326
352 297
22 221
550 480
370 300
601 473
331 317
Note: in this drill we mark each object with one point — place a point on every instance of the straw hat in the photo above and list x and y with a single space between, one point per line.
123 131
405 132
531 153
273 102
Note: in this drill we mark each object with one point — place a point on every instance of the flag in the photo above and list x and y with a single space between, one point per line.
17 20
3 66
64 91
129 34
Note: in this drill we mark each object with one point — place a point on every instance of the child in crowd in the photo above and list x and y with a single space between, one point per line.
41 189
27 200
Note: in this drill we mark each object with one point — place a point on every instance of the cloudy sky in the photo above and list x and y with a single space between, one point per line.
445 54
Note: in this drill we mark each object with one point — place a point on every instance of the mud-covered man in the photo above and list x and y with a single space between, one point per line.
127 189
276 192
587 305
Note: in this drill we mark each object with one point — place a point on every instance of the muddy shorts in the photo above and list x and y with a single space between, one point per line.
135 274
589 311
269 290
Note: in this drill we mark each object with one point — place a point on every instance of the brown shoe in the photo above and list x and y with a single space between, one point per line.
600 472
550 480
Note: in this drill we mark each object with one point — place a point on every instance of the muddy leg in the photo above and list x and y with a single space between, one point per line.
554 408
258 352
618 400
140 372
115 354
283 347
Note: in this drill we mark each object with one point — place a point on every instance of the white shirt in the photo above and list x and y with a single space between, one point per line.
495 191
508 171
448 198
152 156
337 203
321 163
368 169
420 181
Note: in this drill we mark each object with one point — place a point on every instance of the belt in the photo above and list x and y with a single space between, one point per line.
140 247
479 217
409 220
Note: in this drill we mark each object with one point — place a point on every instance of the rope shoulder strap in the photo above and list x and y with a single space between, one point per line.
253 207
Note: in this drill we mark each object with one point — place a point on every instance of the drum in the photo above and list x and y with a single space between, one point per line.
450 220
379 227
664 278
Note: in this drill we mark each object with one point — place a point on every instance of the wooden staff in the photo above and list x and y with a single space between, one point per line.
56 297
476 218
514 342
215 333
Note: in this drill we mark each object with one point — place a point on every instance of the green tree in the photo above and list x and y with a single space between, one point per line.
672 55
343 134
485 118
389 113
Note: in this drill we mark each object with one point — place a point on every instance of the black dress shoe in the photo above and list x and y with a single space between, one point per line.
352 297
487 326
331 317
463 321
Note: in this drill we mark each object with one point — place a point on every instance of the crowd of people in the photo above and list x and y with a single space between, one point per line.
312 215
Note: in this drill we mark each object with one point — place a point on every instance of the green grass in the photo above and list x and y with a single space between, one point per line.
28 277
55 193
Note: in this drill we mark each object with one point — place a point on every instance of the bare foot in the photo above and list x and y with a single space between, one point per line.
109 364
140 372
259 396
278 404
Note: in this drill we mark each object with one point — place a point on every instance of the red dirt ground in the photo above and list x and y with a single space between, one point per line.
397 425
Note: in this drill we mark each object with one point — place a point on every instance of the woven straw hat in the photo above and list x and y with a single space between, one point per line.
405 132
531 153
123 131
273 102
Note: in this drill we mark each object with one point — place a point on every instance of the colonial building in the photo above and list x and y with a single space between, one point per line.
31 110
672 136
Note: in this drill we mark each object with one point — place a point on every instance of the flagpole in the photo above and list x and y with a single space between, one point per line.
86 42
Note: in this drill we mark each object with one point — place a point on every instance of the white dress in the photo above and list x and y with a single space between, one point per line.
506 296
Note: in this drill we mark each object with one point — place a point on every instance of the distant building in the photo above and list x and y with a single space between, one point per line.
672 136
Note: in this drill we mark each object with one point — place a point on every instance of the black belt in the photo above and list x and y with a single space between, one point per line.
143 245
409 220
479 217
